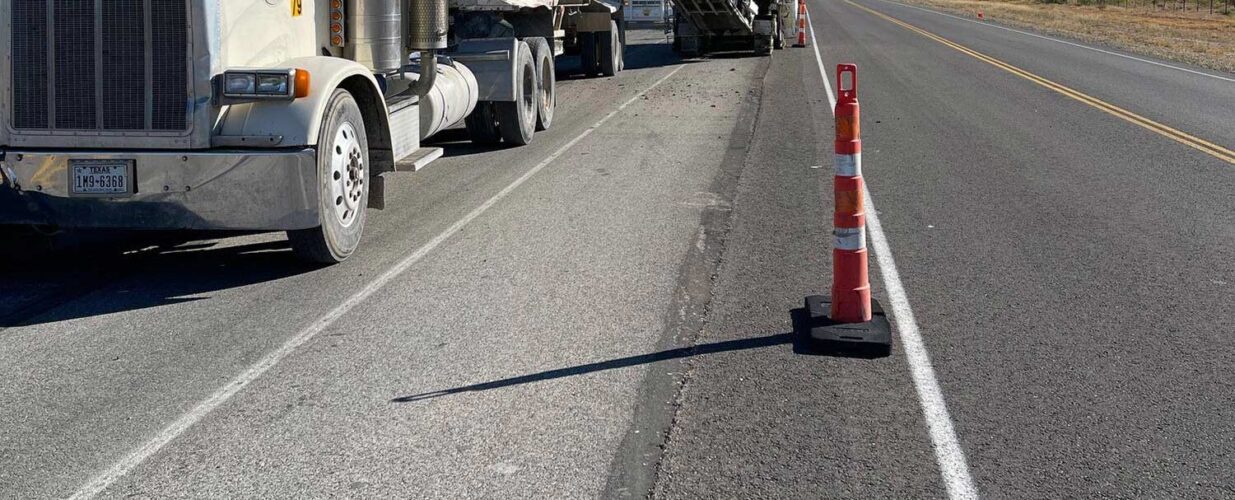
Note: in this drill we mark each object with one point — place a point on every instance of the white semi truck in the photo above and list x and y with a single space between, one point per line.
265 115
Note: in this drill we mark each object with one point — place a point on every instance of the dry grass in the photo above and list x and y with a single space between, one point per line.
1187 36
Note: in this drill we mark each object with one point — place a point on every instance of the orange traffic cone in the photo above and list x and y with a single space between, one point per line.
801 24
851 289
850 319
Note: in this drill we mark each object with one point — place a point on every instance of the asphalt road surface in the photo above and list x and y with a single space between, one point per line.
608 312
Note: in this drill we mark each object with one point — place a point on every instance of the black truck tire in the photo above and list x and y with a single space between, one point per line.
588 62
482 124
343 185
692 47
610 50
517 120
546 77
778 37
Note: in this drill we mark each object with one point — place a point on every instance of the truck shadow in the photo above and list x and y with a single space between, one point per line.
100 279
456 142
640 54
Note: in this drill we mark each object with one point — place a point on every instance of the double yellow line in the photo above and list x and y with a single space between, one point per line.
1176 135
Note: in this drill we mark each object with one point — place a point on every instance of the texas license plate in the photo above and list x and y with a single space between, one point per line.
101 177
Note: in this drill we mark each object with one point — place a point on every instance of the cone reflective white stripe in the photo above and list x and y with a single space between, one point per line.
848 165
850 239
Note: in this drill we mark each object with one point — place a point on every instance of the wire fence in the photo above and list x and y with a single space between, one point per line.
1208 6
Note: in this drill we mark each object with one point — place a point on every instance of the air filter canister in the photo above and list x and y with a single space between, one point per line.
428 24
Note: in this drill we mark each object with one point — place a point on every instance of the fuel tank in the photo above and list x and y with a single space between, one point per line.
452 98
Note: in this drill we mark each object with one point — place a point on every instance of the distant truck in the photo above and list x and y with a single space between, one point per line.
704 26
656 12
270 115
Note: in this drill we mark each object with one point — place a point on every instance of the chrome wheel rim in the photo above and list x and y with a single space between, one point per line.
528 99
347 175
546 85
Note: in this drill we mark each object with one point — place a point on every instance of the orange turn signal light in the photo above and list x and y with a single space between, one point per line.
302 83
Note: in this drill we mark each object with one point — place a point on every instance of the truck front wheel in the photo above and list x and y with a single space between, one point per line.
343 185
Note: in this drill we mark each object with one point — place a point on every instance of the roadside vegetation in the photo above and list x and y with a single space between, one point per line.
1200 32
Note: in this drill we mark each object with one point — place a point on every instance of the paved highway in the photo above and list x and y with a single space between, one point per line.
608 312
1069 269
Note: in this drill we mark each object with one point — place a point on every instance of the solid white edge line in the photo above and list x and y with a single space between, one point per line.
105 479
814 43
952 463
1065 42
948 453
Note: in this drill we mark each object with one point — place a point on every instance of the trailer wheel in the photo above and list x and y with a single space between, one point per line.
622 53
687 42
763 45
343 185
517 120
587 54
610 51
546 76
778 38
482 124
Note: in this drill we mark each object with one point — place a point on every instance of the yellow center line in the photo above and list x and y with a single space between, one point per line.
1176 135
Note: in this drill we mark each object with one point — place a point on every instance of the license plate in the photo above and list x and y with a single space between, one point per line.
101 177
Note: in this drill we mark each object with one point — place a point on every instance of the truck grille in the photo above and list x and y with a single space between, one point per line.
83 65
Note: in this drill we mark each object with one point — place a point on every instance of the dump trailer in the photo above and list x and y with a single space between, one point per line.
704 26
272 115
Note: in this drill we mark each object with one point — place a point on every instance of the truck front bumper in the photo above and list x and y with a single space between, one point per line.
212 189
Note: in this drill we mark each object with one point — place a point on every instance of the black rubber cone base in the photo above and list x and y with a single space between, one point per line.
870 339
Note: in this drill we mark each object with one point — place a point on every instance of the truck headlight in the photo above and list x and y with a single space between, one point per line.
243 85
268 84
239 84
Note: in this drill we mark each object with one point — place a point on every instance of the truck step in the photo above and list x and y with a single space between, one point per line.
418 160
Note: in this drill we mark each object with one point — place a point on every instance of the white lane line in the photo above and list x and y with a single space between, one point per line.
182 424
814 42
948 453
1065 42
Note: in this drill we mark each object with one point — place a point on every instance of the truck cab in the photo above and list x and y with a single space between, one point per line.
253 115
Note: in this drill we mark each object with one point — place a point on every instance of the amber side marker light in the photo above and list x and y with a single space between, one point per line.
302 83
